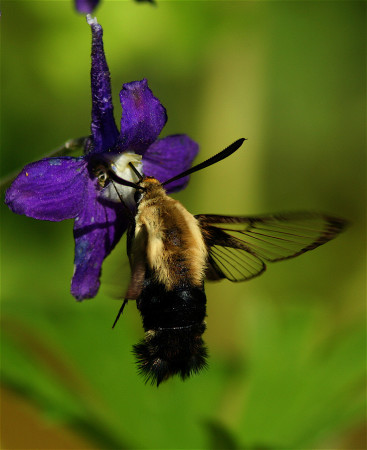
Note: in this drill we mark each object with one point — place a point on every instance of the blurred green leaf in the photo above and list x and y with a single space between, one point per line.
306 388
220 437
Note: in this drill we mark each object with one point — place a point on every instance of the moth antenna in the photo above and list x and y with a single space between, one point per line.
214 159
135 170
119 180
120 312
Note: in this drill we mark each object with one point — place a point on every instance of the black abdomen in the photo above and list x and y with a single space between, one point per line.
174 323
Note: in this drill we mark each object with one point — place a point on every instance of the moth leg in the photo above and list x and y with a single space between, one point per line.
120 312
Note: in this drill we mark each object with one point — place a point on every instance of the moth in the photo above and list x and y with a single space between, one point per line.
173 252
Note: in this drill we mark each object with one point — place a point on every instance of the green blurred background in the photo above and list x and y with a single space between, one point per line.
287 350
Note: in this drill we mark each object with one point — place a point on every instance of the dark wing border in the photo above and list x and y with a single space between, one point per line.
261 239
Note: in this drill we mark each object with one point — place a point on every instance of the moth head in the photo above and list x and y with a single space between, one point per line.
146 187
150 188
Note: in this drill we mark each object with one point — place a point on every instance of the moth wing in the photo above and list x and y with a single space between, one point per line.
136 284
240 247
136 250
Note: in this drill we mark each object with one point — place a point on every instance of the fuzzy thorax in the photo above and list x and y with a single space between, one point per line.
175 249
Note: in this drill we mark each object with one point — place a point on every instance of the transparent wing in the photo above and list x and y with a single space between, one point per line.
239 247
233 264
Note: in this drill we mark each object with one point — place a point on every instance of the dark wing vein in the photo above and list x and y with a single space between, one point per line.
234 264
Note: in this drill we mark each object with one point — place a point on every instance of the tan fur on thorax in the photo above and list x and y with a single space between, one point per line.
175 249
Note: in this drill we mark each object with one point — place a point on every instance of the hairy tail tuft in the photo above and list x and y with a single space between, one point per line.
167 352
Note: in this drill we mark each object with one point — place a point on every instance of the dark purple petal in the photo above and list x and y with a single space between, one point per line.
86 6
50 189
96 231
104 130
143 116
169 157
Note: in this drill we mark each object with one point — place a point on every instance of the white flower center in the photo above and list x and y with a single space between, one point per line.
120 165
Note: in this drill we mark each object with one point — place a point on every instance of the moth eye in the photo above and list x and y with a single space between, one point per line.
101 175
137 196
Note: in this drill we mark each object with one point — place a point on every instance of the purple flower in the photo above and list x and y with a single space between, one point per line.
75 188
88 6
